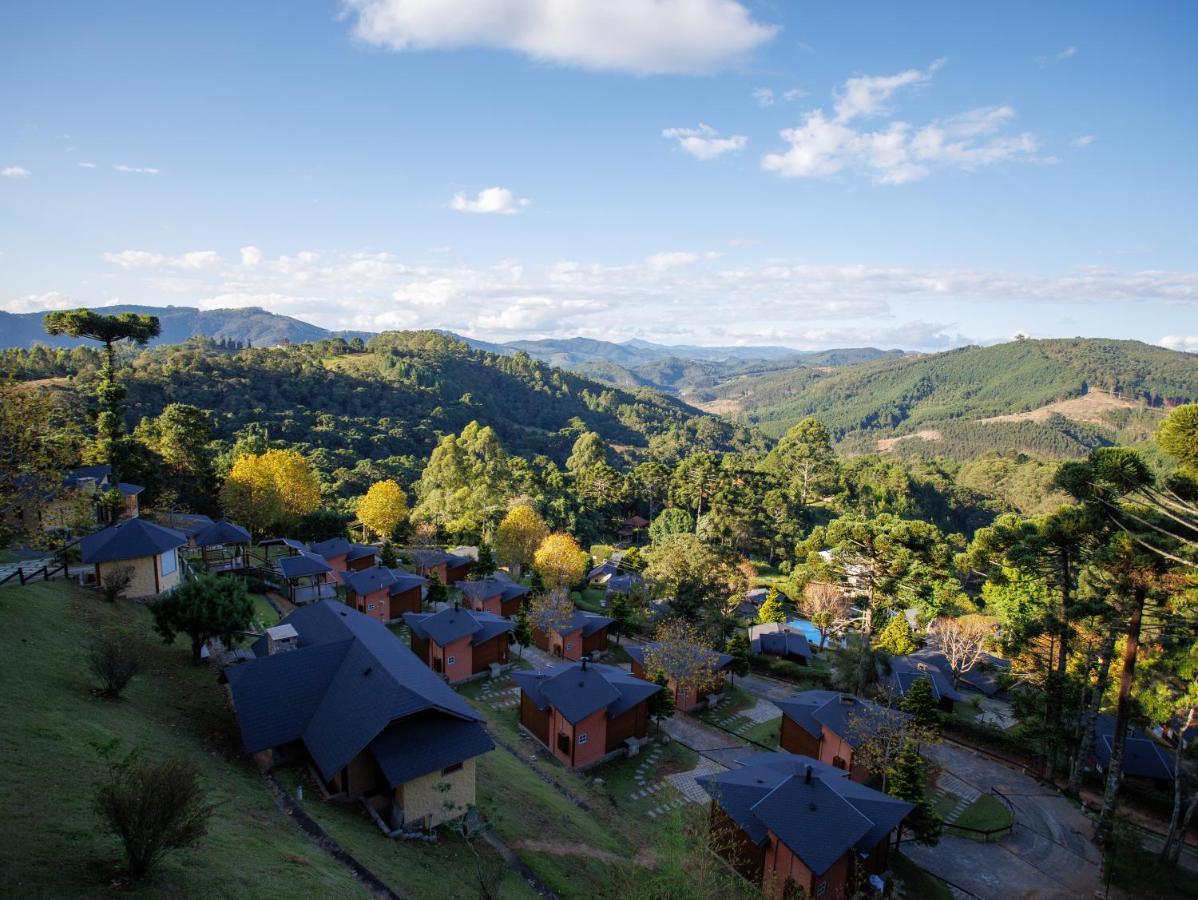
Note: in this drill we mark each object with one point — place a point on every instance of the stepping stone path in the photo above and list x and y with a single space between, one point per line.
648 789
686 785
953 787
741 721
500 693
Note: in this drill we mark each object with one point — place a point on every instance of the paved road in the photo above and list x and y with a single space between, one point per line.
1049 855
716 745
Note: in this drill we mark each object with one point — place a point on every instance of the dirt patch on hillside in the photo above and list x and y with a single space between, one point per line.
720 407
1089 408
885 445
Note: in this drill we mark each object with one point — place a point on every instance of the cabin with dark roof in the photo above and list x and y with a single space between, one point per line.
449 567
687 694
829 725
344 556
342 692
906 670
790 823
585 713
584 635
781 640
460 644
498 596
1144 759
384 594
149 551
80 499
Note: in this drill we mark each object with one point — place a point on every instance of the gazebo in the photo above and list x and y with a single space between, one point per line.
222 546
307 576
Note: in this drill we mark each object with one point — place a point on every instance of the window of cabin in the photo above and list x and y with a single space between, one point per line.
569 645
821 888
370 606
169 562
451 660
449 770
582 738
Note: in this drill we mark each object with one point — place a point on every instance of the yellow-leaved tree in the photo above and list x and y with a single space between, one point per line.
560 561
383 508
270 491
518 537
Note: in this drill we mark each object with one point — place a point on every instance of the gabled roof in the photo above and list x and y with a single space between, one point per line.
576 690
302 564
779 639
349 680
427 742
588 622
367 581
816 811
129 490
222 532
429 557
405 581
338 546
812 709
623 584
360 551
99 474
982 677
906 670
491 587
130 539
450 624
605 569
1142 756
720 661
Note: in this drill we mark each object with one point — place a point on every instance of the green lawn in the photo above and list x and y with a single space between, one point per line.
768 733
589 599
986 813
50 843
264 614
916 884
7 556
619 775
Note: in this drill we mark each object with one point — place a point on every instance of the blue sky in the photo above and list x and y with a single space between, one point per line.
700 171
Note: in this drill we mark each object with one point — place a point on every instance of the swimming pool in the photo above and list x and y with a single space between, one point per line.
809 631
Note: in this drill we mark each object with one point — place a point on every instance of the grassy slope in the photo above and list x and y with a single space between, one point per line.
910 393
50 845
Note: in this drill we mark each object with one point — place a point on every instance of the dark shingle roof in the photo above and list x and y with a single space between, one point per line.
819 818
906 670
605 569
337 546
482 589
1142 756
405 581
982 677
576 691
450 625
367 581
129 490
222 532
131 539
623 584
84 473
360 551
812 709
588 622
302 564
348 681
721 661
779 639
427 558
426 743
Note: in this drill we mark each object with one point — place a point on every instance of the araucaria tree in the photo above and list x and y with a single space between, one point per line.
108 330
383 509
203 608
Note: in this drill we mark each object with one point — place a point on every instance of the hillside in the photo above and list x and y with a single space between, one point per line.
391 402
976 398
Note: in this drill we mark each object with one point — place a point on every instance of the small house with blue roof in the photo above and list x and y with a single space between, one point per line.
906 670
690 690
459 643
794 826
148 551
584 712
344 556
781 640
1143 758
337 689
382 593
829 726
581 635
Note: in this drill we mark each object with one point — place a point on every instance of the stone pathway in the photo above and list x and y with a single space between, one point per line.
500 693
688 787
741 721
964 794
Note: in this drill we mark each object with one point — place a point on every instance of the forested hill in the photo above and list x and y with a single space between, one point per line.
388 404
1050 396
250 324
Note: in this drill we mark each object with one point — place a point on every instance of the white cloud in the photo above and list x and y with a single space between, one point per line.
14 172
250 256
896 152
142 259
645 37
87 165
681 293
763 96
1084 140
38 302
496 200
1186 342
139 170
1067 53
705 142
793 94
